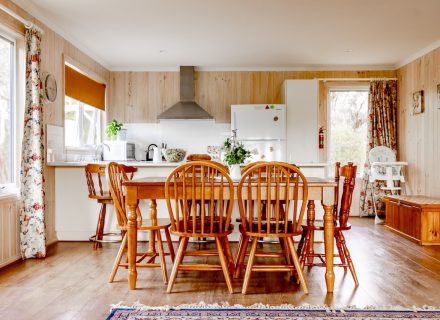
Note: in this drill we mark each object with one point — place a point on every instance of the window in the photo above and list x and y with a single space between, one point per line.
348 125
82 124
7 119
83 106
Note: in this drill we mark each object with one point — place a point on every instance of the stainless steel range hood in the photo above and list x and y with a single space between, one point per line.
186 108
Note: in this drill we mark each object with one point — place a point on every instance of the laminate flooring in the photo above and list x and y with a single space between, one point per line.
72 282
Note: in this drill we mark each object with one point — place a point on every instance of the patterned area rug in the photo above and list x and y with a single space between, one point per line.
203 311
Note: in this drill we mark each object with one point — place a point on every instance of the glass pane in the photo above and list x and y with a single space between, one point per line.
81 124
348 127
6 129
71 122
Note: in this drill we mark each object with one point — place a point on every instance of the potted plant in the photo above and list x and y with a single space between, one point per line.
234 155
114 130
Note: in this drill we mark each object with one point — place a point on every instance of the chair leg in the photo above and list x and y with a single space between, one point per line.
297 264
349 261
170 244
301 244
340 250
118 258
250 263
163 264
286 252
100 227
241 255
177 261
224 263
306 249
229 258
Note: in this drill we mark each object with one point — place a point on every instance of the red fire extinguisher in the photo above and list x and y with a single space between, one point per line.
321 138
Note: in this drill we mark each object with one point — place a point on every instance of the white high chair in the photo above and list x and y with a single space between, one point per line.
384 167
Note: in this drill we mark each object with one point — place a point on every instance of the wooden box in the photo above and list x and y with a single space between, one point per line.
414 217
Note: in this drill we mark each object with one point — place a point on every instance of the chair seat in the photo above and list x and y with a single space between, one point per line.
319 225
198 229
101 198
272 229
147 225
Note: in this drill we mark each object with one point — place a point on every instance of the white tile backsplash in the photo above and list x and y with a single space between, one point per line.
193 136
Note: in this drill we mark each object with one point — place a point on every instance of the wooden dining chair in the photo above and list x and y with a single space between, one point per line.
341 213
116 175
95 177
283 185
209 184
198 157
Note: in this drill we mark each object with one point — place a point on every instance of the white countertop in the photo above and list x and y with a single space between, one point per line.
161 164
130 163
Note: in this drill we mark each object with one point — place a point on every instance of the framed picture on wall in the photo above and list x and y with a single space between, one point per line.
438 96
418 102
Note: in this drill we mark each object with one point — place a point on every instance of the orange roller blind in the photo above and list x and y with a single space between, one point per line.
82 88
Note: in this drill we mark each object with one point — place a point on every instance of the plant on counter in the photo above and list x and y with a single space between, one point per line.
113 129
235 152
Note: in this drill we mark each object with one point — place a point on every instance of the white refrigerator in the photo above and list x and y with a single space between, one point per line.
262 129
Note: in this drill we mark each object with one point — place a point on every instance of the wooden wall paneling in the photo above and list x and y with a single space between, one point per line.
419 134
214 90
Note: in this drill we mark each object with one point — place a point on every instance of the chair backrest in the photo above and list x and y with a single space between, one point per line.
381 154
282 186
250 165
198 157
116 175
95 176
199 196
349 173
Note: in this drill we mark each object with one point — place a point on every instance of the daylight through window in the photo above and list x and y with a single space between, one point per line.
348 126
7 127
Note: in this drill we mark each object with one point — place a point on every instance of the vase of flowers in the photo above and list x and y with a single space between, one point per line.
234 155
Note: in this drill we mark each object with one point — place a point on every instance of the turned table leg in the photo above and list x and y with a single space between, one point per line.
153 217
329 230
132 203
310 222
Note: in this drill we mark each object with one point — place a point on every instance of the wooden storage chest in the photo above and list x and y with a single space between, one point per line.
414 217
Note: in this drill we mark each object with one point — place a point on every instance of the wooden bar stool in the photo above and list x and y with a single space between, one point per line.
95 176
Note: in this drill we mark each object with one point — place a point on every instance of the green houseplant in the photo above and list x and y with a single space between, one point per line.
113 129
234 155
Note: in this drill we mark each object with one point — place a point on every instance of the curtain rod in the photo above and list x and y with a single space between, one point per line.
27 23
354 79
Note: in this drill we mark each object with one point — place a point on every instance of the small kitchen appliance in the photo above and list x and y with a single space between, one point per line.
119 151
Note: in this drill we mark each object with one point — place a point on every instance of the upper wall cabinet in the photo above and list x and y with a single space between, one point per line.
301 98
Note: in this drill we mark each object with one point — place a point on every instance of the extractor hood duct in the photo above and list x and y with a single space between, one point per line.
186 108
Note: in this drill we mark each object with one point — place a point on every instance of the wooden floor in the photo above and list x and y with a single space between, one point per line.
71 283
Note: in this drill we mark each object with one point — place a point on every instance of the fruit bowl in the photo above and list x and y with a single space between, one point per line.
174 155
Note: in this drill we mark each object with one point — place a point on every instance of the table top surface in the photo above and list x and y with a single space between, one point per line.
159 181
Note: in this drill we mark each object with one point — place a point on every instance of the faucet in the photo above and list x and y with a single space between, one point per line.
99 151
148 151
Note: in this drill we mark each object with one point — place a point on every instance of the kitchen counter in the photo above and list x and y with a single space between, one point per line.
160 164
130 163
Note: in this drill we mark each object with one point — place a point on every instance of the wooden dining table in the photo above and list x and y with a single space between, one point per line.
153 189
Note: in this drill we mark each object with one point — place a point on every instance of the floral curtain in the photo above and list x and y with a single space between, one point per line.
382 131
32 224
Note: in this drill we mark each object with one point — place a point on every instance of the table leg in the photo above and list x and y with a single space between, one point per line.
153 217
329 230
310 223
132 245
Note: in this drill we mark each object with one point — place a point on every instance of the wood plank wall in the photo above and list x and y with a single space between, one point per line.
419 135
53 49
141 96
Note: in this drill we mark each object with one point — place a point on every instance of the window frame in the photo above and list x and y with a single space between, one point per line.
13 123
361 85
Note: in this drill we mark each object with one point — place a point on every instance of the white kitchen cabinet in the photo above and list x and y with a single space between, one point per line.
301 98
